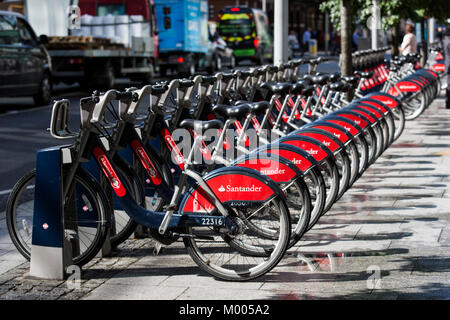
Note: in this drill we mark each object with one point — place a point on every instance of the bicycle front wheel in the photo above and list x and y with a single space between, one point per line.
256 249
89 228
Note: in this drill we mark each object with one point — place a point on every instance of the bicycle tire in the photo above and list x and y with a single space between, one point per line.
268 259
96 195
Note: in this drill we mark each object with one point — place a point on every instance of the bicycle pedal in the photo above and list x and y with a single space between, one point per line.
185 235
157 248
173 207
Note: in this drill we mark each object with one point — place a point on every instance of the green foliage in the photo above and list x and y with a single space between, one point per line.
392 11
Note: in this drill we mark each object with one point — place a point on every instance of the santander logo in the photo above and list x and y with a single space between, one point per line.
170 141
275 171
296 161
105 163
230 188
406 87
109 172
115 183
179 159
143 156
326 143
312 151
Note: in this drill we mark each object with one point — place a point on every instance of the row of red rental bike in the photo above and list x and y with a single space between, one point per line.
237 165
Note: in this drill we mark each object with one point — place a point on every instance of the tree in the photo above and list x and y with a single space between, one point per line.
346 37
392 12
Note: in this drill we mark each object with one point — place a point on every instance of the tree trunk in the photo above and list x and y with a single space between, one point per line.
346 38
346 41
423 46
395 40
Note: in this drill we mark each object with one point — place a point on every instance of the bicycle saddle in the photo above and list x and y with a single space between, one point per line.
246 73
289 64
279 88
393 69
185 83
227 75
334 77
308 91
350 79
339 86
260 71
316 60
258 108
159 89
320 80
200 126
298 62
364 74
208 79
298 87
236 112
312 79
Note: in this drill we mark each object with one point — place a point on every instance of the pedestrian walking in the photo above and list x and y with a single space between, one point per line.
305 40
333 42
446 47
293 41
409 43
355 39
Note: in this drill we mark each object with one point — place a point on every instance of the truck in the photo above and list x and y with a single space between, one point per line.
246 31
183 35
94 61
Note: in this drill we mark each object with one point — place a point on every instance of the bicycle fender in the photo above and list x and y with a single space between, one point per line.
315 148
387 99
404 86
326 138
276 168
233 186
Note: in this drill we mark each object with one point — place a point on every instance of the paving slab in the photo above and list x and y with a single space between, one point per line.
131 292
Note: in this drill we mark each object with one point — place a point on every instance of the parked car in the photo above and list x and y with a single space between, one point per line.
25 65
219 54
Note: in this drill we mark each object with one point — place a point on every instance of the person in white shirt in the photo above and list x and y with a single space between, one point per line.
409 44
446 47
292 40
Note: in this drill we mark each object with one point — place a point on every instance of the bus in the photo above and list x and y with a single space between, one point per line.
246 31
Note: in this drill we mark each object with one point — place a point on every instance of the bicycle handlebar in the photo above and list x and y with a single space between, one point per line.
59 126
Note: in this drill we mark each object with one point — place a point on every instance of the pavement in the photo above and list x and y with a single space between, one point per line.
388 237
